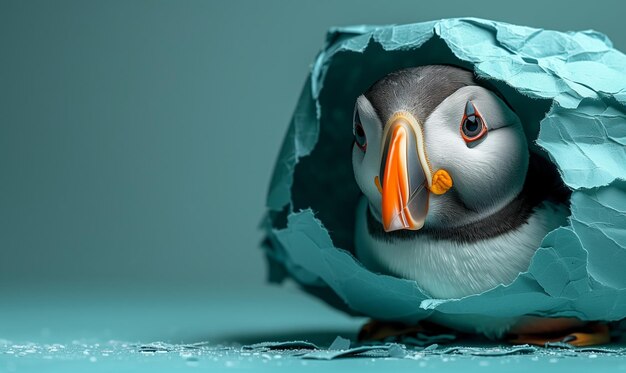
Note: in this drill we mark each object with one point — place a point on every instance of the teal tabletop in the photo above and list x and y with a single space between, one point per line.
156 327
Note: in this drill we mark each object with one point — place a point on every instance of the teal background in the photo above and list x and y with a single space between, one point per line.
137 138
137 141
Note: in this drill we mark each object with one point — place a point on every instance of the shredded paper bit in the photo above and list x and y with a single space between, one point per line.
202 353
569 89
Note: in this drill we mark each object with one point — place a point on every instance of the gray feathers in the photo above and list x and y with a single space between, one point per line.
418 90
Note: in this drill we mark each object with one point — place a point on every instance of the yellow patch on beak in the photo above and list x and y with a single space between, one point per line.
442 182
378 186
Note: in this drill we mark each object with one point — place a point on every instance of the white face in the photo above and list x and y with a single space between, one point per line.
487 173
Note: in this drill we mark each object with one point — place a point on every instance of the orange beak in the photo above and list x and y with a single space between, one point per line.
404 191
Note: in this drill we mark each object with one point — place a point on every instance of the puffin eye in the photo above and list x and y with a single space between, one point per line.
359 133
473 126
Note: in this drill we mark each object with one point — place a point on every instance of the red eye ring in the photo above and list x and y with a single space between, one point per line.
473 126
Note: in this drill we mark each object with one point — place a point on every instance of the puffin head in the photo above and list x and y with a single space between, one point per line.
434 149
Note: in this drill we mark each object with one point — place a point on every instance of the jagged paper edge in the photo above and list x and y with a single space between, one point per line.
539 64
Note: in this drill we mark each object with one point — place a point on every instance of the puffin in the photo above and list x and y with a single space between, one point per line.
454 199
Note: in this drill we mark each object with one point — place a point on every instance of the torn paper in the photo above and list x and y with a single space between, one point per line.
569 89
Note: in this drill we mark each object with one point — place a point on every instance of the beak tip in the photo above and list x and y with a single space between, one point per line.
400 224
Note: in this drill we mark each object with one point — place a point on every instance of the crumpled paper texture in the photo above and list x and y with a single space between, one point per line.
569 89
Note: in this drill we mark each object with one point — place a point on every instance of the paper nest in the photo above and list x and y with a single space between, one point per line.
569 89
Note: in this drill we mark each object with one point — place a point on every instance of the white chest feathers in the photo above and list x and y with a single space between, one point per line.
450 269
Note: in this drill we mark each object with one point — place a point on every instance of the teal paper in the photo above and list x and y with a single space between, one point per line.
570 92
